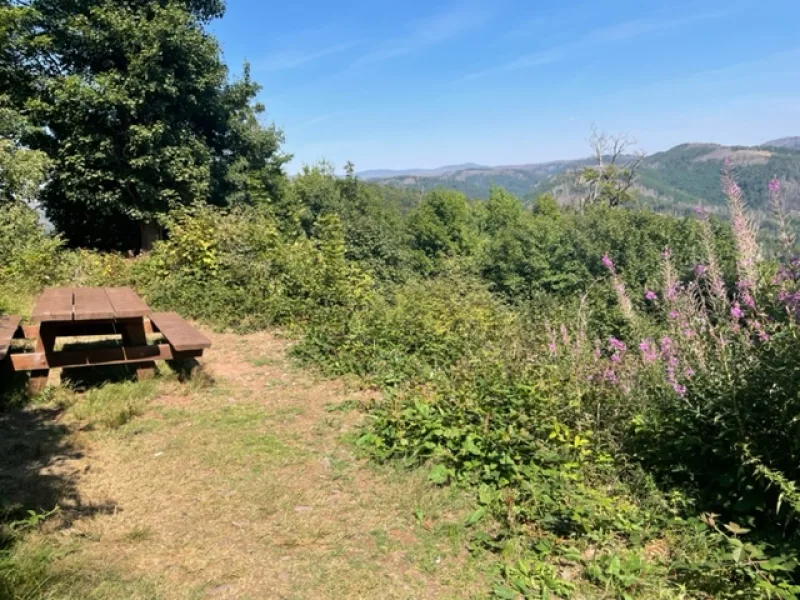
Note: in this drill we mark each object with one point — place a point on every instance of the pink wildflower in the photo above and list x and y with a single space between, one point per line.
648 349
617 345
666 345
700 270
736 311
775 186
650 295
608 263
565 335
672 292
611 377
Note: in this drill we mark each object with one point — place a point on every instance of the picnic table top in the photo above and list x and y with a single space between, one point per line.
88 304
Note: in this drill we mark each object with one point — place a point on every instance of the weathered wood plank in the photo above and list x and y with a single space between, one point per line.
8 328
178 332
126 303
34 361
79 329
55 304
91 304
27 332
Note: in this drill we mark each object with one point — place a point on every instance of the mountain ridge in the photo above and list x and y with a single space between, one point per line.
685 174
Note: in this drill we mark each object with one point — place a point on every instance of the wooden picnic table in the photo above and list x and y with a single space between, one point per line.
91 312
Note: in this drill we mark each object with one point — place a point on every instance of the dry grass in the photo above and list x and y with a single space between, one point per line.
244 488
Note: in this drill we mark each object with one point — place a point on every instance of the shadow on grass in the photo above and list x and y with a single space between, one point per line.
36 450
186 369
87 378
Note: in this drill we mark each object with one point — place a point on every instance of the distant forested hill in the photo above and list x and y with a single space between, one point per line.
676 179
690 173
792 143
476 181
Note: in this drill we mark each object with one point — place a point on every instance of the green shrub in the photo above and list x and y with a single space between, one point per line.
30 257
418 329
237 269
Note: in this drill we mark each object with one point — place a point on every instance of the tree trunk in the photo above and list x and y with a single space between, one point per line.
149 234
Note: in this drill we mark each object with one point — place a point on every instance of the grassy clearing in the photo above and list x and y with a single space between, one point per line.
244 488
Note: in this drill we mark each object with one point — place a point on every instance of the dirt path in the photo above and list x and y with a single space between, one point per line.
246 488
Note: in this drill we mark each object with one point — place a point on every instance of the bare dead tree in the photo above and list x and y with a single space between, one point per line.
613 177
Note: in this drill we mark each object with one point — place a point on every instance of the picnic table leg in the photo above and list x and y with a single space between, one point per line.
134 334
45 342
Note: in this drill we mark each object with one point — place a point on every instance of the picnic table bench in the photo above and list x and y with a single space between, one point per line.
91 312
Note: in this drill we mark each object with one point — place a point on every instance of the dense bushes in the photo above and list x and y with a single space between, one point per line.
416 330
237 269
617 386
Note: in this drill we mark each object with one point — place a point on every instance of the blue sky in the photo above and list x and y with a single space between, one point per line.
424 84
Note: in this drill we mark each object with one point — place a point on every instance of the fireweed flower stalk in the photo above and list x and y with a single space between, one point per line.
669 279
625 304
747 248
712 274
785 234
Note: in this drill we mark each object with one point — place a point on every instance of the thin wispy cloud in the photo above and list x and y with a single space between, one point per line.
525 61
619 32
783 61
291 59
319 119
435 29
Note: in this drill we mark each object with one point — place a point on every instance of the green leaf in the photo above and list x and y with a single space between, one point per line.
439 475
613 566
502 591
476 516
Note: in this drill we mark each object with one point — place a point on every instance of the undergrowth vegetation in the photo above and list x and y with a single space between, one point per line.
618 387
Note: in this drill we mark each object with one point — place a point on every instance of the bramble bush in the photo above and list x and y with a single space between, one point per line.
616 386
659 461
237 269
413 330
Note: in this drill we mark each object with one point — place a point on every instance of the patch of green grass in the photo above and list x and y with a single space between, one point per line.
285 414
239 435
139 534
112 405
37 571
266 361
345 406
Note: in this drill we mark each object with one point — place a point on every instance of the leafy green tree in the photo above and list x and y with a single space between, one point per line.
442 226
314 192
527 253
135 110
373 228
22 170
503 210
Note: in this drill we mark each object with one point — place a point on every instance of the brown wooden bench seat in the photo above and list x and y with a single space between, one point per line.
8 327
178 333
